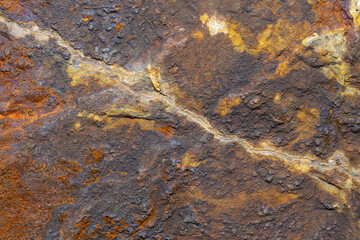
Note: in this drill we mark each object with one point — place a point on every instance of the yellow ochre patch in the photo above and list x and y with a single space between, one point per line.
355 12
225 104
277 98
308 118
219 25
189 160
331 45
154 74
199 35
278 40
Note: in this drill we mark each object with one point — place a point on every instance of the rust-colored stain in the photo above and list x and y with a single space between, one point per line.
22 101
167 130
179 119
119 26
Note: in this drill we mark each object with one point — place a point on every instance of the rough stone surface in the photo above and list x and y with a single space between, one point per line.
179 119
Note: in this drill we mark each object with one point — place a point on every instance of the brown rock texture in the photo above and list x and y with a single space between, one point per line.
179 119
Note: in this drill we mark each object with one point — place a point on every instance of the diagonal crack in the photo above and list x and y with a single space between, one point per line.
309 165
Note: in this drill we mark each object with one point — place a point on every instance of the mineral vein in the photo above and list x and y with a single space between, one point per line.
301 163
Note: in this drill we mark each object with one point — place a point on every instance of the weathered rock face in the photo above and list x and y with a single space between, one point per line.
179 119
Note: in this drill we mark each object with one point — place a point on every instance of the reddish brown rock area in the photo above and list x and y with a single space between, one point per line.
179 119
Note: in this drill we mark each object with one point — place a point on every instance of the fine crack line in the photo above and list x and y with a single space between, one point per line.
204 123
21 30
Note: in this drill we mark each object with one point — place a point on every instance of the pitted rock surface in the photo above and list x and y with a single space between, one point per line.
179 119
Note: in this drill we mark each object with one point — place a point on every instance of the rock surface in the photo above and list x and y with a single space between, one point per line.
179 119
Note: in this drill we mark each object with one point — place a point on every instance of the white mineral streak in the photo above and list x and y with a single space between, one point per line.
300 163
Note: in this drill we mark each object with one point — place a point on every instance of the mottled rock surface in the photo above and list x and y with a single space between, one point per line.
179 119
